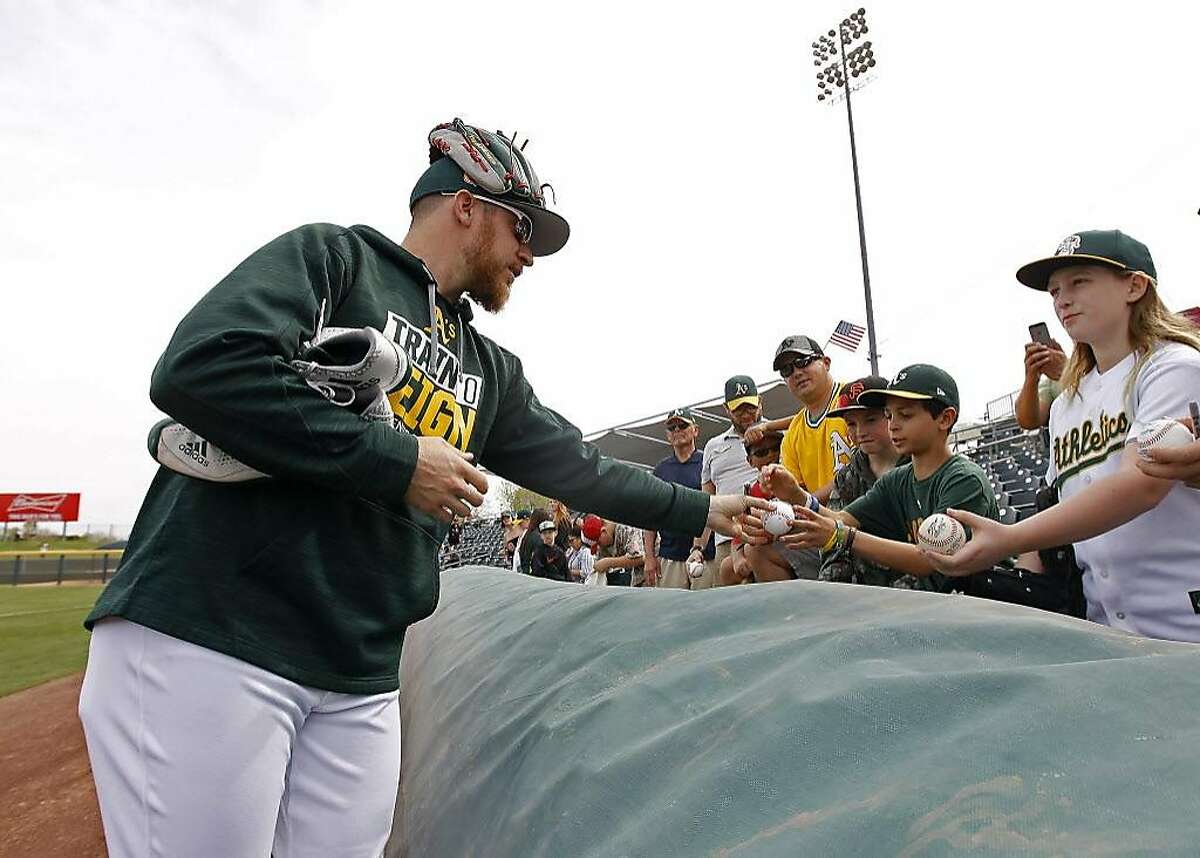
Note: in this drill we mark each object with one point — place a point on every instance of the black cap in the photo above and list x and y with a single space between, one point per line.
848 398
798 344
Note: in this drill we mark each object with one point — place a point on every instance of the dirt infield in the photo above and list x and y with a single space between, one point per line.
47 800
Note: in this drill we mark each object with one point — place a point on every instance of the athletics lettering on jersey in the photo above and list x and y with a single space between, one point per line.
1089 443
442 404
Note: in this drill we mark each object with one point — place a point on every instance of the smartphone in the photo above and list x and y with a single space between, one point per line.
1194 413
1039 333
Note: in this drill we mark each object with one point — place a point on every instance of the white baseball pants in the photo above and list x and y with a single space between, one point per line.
200 754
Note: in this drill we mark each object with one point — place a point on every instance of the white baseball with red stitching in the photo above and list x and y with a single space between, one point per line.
942 534
1164 432
778 520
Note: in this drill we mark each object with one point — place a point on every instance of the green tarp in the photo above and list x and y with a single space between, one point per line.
791 719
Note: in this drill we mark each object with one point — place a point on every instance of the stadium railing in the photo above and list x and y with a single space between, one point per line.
44 567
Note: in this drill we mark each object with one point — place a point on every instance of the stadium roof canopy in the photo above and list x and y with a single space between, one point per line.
644 442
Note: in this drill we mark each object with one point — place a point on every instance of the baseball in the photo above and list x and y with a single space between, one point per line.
779 520
942 534
695 569
1162 433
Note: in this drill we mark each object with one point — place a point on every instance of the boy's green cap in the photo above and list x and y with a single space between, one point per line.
919 381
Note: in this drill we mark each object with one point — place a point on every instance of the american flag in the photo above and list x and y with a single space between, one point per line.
847 336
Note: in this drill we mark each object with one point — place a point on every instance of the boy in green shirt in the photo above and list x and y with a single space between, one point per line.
921 405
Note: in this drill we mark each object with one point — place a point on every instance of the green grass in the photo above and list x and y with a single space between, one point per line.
41 633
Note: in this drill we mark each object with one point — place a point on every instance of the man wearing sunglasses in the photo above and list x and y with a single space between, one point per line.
675 550
815 445
279 603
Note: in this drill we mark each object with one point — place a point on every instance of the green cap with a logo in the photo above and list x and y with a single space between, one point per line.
684 414
739 390
1108 247
919 381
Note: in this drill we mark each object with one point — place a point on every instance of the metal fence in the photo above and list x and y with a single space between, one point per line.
55 567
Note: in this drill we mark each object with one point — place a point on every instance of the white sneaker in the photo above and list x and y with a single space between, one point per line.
177 447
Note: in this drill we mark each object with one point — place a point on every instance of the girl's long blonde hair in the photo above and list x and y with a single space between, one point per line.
1150 325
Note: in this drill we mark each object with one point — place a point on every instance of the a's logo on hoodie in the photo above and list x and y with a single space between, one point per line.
444 403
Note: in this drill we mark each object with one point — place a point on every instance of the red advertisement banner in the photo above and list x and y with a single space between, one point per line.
30 506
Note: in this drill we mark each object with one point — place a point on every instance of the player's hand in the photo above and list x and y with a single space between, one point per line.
1174 463
725 512
809 530
444 482
779 481
990 543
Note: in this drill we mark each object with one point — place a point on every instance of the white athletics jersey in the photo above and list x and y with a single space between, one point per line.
1143 576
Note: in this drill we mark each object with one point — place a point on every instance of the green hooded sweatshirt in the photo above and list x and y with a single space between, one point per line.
315 575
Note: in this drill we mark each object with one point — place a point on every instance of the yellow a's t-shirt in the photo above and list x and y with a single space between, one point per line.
816 447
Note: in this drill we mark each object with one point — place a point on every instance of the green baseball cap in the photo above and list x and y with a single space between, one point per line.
684 414
466 158
739 390
919 381
1108 247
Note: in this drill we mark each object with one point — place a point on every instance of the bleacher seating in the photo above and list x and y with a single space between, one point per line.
481 545
1015 463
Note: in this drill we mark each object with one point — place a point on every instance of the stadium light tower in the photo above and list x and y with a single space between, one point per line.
839 70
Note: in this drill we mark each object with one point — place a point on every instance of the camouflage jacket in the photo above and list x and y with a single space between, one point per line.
850 483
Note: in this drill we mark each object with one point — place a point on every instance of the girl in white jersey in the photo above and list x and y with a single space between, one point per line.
1136 536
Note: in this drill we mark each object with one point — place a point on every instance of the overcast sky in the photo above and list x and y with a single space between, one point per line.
146 148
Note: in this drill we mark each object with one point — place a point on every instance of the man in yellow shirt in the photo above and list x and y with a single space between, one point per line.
815 445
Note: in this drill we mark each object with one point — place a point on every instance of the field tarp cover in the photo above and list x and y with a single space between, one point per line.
800 718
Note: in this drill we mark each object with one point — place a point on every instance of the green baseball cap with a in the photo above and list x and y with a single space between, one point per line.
684 414
466 158
739 390
1109 247
919 381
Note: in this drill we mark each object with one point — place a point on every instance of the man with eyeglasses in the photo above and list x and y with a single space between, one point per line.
253 633
676 550
815 445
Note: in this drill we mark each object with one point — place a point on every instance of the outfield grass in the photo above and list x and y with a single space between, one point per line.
41 633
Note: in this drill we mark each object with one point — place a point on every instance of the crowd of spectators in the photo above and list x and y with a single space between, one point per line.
865 462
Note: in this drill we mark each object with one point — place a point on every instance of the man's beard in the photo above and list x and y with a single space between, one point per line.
487 278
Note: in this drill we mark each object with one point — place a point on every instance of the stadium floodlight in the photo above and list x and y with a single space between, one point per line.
845 69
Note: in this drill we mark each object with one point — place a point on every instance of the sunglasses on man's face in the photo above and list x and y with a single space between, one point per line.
677 427
523 227
798 363
763 452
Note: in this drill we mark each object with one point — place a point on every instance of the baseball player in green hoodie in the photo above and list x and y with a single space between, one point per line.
241 690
